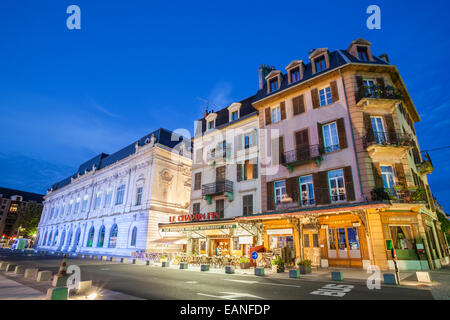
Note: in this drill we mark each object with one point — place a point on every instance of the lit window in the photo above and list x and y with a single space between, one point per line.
77 206
101 237
98 200
108 198
273 83
113 236
90 239
84 204
330 137
337 186
325 96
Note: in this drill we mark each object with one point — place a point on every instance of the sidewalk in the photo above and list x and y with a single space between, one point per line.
12 290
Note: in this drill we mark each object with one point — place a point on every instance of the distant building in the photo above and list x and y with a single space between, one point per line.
10 202
112 205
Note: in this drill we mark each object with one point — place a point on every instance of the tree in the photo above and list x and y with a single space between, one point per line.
28 218
445 223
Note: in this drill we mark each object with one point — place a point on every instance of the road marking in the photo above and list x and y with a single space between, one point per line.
267 283
232 296
104 269
333 290
192 282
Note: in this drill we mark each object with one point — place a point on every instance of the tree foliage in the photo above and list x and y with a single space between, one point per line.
28 218
445 223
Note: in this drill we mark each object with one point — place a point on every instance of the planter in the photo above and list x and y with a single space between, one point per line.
294 273
229 269
165 264
245 265
305 269
204 267
259 271
183 265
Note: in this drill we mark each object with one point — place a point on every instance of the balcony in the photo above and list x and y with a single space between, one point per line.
378 98
399 194
224 187
426 166
302 155
383 145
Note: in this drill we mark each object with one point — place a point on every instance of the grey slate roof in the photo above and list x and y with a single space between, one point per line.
103 160
27 196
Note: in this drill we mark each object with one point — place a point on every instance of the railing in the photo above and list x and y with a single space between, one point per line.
320 196
391 138
218 187
399 194
302 154
426 166
218 154
378 92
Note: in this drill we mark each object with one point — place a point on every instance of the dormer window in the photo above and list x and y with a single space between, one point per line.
295 74
273 84
234 115
320 64
362 54
233 111
211 124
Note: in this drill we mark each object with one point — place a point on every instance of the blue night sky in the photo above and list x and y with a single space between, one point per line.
135 66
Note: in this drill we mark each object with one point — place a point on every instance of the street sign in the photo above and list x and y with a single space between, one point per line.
254 255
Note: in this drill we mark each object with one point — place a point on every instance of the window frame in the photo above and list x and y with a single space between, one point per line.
271 81
332 147
328 97
318 62
277 109
336 179
281 188
246 207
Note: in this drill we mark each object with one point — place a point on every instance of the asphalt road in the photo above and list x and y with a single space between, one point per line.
153 282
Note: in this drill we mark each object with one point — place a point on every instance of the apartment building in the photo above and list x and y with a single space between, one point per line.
343 179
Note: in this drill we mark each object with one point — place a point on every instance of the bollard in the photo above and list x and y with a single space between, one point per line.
123 260
337 276
389 278
259 271
165 264
44 276
229 269
133 261
183 265
147 262
204 267
294 273
20 270
10 267
31 273
57 294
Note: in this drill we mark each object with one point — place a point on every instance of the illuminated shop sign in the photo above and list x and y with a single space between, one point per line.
195 217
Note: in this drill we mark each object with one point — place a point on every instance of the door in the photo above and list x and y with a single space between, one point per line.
311 248
302 144
220 179
378 130
344 247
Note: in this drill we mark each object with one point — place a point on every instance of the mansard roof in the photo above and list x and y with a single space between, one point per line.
103 160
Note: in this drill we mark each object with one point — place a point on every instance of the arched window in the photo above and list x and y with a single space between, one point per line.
90 239
55 238
77 237
113 236
45 238
63 237
101 237
50 238
133 237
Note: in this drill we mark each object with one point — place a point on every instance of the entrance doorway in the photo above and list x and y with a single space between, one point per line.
344 247
311 248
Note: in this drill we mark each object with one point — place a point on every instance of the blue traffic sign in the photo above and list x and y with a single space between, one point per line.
254 255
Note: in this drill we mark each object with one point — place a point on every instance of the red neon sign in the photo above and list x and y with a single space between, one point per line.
194 217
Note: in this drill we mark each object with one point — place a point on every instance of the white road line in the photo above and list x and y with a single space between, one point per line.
266 283
231 296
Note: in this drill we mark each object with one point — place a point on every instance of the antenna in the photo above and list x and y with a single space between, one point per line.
208 104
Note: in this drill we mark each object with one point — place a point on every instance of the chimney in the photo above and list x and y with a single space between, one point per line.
263 71
384 57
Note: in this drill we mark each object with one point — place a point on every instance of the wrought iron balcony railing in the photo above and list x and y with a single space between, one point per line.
302 154
378 92
218 187
426 166
400 195
392 138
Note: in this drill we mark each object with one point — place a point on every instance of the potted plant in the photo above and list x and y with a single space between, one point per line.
304 266
278 264
245 263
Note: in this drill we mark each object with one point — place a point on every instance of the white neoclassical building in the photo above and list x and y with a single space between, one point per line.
113 204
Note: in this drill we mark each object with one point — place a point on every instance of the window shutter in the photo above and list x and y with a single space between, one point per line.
367 123
341 133
239 172
389 120
254 142
320 135
334 91
281 148
268 119
301 138
400 174
349 187
359 86
292 189
380 81
298 104
377 175
315 98
239 142
255 170
270 198
283 110
321 191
